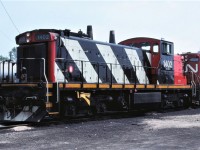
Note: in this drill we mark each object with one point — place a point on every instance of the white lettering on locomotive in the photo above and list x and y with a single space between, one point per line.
188 66
167 64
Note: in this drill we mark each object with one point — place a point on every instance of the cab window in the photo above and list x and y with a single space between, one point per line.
143 45
166 48
194 59
155 48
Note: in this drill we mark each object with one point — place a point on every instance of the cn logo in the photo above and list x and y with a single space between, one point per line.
188 66
167 64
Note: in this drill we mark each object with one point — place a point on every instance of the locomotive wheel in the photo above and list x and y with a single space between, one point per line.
181 102
1 109
163 104
187 102
122 103
70 110
101 107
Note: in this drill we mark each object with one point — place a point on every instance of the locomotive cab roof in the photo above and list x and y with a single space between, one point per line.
142 39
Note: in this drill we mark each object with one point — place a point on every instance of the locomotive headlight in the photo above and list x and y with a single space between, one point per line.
27 34
27 40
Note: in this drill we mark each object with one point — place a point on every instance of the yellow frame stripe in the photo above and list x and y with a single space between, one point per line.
90 86
115 86
140 86
173 86
179 86
53 113
150 86
104 86
49 94
72 85
162 86
49 105
61 86
50 85
131 86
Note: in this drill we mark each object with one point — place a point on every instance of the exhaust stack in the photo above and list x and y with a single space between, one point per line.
112 37
89 31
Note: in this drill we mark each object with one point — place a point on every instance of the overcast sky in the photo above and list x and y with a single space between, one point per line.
175 21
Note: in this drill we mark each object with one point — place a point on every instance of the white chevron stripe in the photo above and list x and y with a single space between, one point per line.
59 75
149 57
77 53
110 57
158 82
135 61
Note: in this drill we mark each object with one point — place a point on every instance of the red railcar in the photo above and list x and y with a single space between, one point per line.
192 65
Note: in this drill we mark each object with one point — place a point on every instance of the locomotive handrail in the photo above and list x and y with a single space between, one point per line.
57 88
3 71
198 78
43 65
8 69
43 59
193 84
101 62
13 63
110 65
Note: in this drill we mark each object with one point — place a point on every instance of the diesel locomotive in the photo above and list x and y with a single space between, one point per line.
63 73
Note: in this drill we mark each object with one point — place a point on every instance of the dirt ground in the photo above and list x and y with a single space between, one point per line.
156 131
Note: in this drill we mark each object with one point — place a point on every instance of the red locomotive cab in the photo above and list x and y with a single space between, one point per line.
148 44
151 47
179 76
159 53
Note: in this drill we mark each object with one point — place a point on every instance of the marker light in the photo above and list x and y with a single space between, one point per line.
71 69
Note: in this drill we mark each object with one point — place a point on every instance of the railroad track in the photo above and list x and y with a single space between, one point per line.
3 127
103 116
10 126
72 120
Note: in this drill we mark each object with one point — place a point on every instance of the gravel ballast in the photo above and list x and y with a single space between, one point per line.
171 130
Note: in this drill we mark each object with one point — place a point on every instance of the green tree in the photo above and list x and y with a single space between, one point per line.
13 54
2 58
